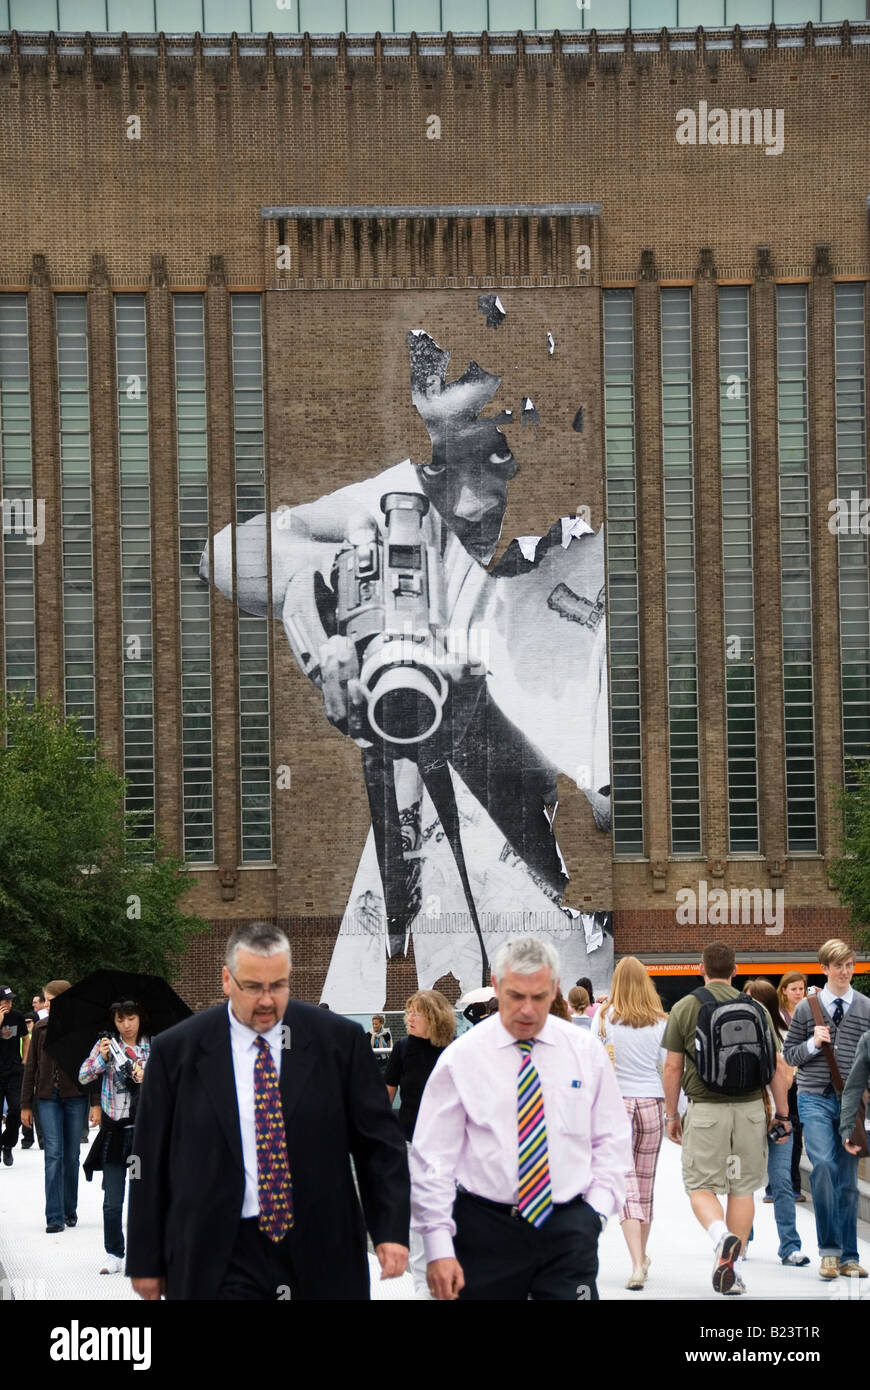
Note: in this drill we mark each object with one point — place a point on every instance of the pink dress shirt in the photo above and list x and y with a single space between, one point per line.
466 1128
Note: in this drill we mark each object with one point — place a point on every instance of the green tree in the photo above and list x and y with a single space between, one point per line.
850 875
80 886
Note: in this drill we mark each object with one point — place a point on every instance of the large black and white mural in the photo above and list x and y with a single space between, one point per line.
468 688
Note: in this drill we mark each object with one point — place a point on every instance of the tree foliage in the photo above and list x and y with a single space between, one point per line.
79 888
850 875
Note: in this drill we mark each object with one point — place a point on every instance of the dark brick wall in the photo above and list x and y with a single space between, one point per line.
84 208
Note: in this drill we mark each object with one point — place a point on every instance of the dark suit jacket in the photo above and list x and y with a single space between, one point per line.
186 1204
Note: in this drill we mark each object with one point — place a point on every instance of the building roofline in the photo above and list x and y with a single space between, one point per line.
580 41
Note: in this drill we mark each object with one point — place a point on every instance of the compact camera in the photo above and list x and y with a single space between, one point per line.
390 604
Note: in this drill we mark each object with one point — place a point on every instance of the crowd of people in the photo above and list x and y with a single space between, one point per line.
491 1161
40 1094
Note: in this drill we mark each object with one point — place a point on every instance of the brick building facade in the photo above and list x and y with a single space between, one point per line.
187 182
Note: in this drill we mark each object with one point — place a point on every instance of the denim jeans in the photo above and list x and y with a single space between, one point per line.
779 1182
62 1131
834 1179
114 1181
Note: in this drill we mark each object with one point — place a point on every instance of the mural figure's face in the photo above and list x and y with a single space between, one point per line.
467 481
524 1001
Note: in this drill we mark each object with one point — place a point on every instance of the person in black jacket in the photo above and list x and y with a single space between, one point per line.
247 1116
431 1024
13 1029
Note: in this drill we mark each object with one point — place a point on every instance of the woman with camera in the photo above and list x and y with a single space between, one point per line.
119 1057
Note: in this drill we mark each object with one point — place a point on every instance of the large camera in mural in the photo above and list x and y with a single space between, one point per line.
389 604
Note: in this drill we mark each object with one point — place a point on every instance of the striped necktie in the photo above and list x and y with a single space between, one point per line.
535 1201
274 1187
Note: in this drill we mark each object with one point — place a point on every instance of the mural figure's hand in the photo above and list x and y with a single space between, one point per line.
343 696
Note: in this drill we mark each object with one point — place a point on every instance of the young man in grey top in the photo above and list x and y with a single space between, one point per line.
834 1178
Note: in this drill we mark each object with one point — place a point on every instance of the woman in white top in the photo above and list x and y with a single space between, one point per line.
631 1025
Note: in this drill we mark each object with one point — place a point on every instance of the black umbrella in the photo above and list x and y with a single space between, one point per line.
80 1014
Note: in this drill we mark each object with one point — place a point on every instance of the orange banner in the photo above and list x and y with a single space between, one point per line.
751 967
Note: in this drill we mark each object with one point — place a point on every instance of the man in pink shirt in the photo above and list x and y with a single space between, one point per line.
520 1147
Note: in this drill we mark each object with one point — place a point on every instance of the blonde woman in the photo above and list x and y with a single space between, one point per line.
430 1021
632 1024
431 1024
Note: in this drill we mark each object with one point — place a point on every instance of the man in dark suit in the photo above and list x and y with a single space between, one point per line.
247 1119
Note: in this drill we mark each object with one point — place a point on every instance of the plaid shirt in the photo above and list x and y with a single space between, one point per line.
115 1093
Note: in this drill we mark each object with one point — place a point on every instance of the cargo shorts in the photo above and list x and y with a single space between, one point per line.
724 1147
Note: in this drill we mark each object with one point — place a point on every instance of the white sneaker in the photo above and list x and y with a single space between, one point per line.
726 1256
112 1265
737 1287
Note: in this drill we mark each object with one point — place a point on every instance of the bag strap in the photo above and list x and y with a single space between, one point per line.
705 995
828 1051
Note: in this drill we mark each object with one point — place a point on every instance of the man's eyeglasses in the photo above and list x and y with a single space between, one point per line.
276 988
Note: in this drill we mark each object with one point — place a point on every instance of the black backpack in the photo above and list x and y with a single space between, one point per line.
734 1047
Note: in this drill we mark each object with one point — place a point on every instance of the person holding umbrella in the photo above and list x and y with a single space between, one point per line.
121 1068
79 1015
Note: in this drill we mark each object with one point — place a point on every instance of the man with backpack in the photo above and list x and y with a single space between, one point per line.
723 1049
822 1042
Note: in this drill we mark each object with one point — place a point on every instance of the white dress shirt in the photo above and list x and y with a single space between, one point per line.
243 1042
467 1133
826 999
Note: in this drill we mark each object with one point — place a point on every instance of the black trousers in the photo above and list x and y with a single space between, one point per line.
505 1258
258 1268
10 1091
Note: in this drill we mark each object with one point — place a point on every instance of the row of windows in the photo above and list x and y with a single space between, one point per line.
796 565
623 609
737 567
24 523
20 511
19 633
131 351
405 16
851 425
194 597
77 558
680 597
250 460
795 523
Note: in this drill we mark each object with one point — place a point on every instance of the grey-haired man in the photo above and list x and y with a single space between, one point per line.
520 1147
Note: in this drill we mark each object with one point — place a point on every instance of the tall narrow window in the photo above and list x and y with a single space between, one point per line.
796 566
23 515
680 597
76 508
739 613
135 511
250 461
849 328
196 695
623 622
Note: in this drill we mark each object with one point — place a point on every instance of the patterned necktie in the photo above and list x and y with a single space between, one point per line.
837 1012
274 1187
535 1201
